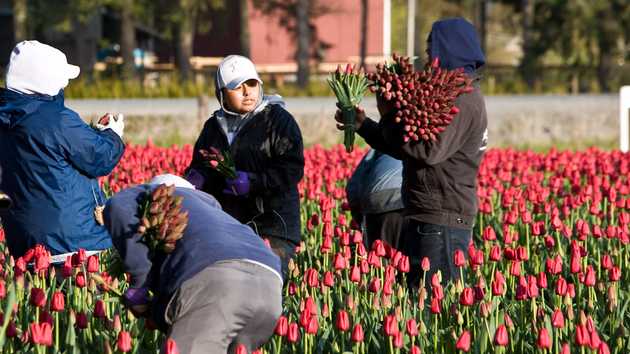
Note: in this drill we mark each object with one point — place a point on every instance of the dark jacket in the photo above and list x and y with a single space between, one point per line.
269 147
50 160
374 187
440 178
211 236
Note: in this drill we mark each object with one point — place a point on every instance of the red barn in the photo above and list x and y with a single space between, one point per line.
272 46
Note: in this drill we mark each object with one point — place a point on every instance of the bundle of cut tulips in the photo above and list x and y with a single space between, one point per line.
163 222
424 100
349 86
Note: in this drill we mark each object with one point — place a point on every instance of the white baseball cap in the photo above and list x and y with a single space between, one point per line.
234 70
171 180
37 68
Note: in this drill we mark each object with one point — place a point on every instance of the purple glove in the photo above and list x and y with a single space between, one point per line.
238 185
136 296
195 178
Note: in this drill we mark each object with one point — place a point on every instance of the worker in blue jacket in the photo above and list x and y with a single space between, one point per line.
50 158
219 287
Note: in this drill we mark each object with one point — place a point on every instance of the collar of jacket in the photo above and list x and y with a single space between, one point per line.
15 105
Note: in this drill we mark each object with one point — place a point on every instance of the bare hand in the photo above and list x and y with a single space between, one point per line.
359 118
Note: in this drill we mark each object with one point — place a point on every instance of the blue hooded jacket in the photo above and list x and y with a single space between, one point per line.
455 42
374 187
50 161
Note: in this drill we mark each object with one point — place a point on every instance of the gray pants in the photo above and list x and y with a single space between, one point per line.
229 303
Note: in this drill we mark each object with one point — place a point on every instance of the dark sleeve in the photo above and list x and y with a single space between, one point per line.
94 153
197 162
373 133
432 152
287 163
121 221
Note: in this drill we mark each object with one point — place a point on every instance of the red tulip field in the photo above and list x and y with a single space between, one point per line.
547 271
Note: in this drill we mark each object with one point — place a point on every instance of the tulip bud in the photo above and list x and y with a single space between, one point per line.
463 342
293 334
123 343
357 333
501 336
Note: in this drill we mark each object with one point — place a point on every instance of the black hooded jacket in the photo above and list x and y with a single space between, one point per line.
269 148
440 178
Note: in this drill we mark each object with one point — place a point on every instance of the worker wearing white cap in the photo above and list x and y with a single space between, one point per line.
266 146
50 158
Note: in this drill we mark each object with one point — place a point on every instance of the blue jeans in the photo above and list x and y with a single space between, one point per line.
436 242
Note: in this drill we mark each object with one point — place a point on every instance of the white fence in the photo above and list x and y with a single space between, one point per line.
624 118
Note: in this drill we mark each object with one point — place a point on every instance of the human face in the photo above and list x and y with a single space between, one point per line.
242 99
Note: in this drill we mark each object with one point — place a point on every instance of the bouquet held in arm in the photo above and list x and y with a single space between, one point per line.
162 220
221 162
424 101
349 86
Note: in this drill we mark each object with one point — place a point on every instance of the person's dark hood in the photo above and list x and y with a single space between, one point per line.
15 106
456 43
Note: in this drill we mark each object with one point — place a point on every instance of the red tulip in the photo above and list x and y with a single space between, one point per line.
99 309
582 337
614 274
415 350
82 320
355 274
426 264
459 258
412 327
342 322
495 253
463 343
241 349
92 264
565 349
293 335
357 333
80 280
375 285
312 278
170 347
557 319
329 279
391 325
436 306
41 333
313 325
467 297
340 262
501 336
543 342
603 348
57 302
38 297
282 326
123 343
403 265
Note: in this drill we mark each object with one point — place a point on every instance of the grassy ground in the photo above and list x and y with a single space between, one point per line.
170 131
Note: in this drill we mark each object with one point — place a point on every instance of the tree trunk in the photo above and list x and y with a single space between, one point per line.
127 39
244 38
364 20
607 35
483 24
529 61
184 36
303 43
20 24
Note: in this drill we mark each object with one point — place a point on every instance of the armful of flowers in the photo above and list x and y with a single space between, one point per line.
163 222
424 101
